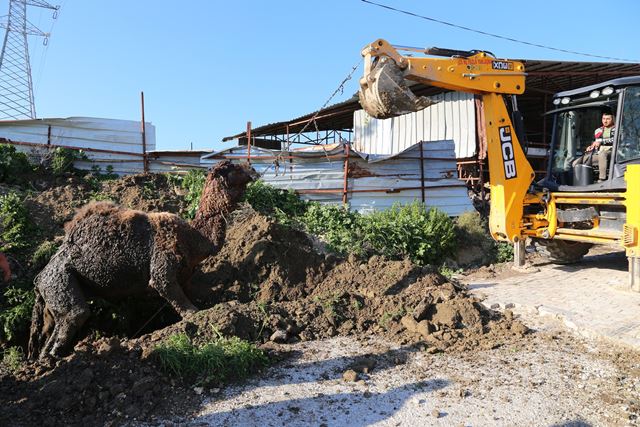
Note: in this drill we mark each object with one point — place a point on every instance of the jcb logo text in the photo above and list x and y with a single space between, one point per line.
507 152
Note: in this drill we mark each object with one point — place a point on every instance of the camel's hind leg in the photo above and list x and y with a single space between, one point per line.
65 301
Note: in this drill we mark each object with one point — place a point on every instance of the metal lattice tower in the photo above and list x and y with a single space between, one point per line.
16 87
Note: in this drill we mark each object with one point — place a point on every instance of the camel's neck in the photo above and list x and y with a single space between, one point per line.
213 211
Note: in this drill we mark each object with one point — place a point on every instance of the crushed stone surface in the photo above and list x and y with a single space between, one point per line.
550 378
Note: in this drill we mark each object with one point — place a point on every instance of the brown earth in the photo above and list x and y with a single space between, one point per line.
267 285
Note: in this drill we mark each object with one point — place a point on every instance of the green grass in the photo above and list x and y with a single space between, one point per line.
219 360
12 358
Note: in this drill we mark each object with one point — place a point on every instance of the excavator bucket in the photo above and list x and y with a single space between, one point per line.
384 92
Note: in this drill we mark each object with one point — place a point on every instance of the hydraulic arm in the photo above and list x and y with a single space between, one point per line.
384 93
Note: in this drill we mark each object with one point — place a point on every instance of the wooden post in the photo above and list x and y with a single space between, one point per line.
145 162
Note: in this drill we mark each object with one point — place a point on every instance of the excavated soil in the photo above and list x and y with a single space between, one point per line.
267 285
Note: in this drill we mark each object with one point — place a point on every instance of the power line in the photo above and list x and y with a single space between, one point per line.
461 27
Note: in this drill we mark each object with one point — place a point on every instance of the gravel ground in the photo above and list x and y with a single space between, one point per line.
548 378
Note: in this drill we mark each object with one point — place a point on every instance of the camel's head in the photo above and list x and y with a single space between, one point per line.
234 177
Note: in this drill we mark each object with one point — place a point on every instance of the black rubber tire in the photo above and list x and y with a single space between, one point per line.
563 251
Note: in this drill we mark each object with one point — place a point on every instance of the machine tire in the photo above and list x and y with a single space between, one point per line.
563 251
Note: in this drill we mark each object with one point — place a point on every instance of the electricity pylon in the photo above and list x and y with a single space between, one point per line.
16 86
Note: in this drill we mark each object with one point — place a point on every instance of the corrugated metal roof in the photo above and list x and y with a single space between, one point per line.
452 117
544 78
374 182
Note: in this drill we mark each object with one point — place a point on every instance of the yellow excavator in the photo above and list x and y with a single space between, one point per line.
566 212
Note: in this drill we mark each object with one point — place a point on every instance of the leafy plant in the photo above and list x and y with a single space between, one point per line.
268 200
219 360
504 252
12 358
14 219
449 272
62 160
12 164
412 231
473 229
15 316
193 182
336 225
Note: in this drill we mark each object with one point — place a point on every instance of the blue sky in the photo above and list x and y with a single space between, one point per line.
207 67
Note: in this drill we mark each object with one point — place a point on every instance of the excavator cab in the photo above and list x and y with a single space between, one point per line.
576 115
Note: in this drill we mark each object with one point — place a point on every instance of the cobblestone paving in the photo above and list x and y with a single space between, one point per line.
589 297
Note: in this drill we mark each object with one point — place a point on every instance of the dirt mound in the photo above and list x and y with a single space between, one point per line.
260 260
268 285
104 382
50 208
145 192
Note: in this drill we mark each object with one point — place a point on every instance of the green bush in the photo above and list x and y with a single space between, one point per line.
15 224
193 182
220 360
15 314
268 200
471 226
474 230
336 225
411 231
12 358
12 164
504 251
62 160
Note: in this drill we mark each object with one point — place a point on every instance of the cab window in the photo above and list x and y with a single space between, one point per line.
629 129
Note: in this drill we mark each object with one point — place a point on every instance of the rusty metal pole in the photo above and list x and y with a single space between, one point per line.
249 142
422 171
345 187
289 154
145 162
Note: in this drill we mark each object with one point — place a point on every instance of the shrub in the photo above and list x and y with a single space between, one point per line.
336 225
412 231
284 205
12 358
504 251
14 219
62 160
219 360
472 228
16 315
193 182
12 164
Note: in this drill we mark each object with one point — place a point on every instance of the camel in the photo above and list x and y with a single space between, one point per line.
112 252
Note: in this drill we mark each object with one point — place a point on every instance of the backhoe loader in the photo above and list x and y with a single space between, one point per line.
565 212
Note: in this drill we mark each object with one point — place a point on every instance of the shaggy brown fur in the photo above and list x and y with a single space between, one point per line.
112 252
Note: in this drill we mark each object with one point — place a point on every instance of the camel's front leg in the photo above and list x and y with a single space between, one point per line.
65 301
164 279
